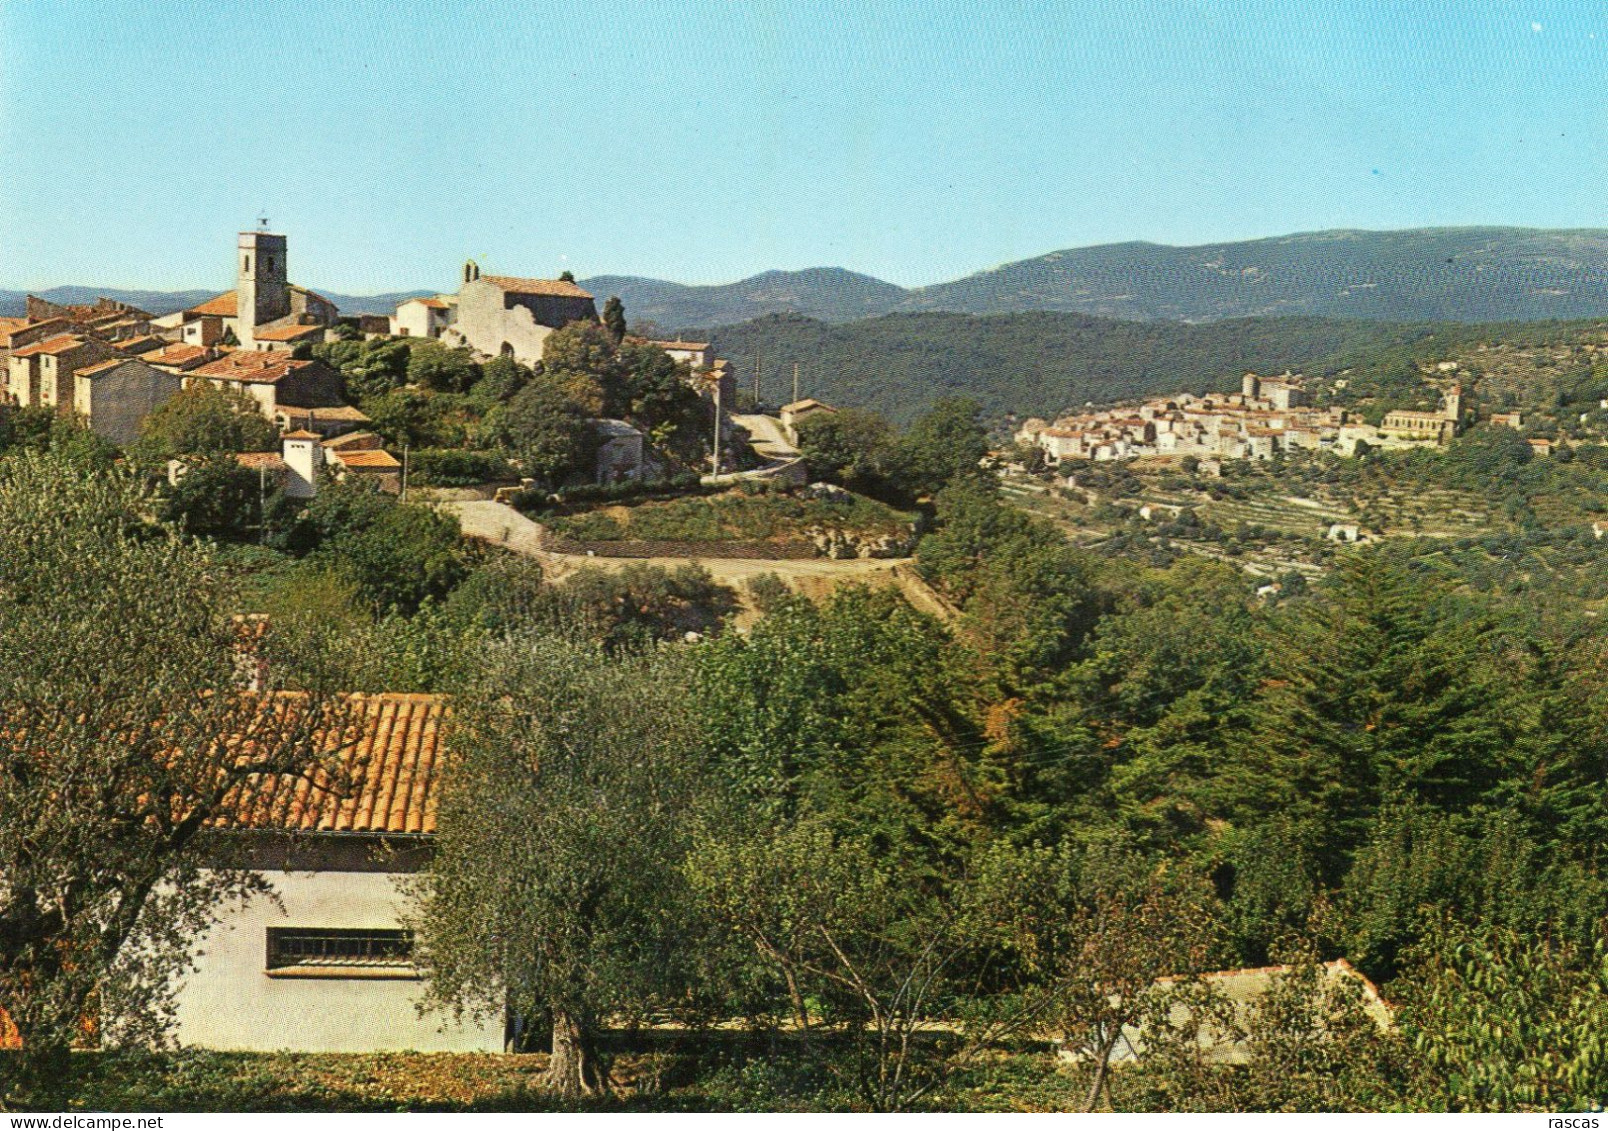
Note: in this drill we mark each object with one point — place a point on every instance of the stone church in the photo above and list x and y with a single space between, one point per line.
505 316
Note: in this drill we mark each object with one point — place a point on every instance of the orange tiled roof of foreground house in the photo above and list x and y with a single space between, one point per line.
385 781
226 305
518 286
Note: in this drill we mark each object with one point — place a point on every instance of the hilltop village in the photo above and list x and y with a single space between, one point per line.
266 342
1268 416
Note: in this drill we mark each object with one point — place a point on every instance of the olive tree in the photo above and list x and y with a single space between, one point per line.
122 735
556 886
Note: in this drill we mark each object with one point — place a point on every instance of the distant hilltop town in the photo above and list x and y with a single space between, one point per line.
1269 415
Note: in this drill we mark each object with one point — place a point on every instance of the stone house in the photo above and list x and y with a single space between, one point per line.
374 464
1240 991
695 354
423 317
328 964
505 316
273 379
16 333
326 420
115 396
42 373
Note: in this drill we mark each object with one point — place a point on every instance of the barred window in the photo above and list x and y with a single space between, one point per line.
332 950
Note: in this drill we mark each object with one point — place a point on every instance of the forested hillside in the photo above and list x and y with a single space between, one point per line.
1031 364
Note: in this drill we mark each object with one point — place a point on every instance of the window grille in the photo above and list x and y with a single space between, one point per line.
335 948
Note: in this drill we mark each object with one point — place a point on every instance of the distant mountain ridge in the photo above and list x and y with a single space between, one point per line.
830 294
1478 274
1422 274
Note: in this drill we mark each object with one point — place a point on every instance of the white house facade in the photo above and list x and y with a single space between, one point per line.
328 964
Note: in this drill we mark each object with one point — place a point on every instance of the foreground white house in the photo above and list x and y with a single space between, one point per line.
328 967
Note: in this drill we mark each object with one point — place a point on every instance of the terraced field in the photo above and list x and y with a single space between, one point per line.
1287 530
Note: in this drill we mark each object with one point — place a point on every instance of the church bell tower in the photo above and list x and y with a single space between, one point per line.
262 287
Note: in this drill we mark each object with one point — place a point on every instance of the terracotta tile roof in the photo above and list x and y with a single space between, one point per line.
9 324
50 345
179 355
354 441
389 757
556 287
143 344
301 434
696 347
271 461
432 303
101 367
227 305
287 333
339 414
806 403
255 366
371 459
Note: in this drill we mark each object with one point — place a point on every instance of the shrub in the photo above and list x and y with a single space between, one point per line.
456 467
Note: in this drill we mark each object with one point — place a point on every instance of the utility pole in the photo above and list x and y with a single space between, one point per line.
717 427
404 471
795 382
759 368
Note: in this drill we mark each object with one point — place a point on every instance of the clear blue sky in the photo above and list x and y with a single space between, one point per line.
704 140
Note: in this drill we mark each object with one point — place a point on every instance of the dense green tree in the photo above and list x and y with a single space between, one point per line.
851 446
1499 1020
546 431
421 419
614 318
216 498
501 378
575 772
203 420
944 445
655 393
1027 596
434 366
117 687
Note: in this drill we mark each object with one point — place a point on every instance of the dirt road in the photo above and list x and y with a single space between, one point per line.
503 526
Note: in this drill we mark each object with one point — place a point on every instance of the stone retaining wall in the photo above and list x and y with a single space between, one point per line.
749 551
